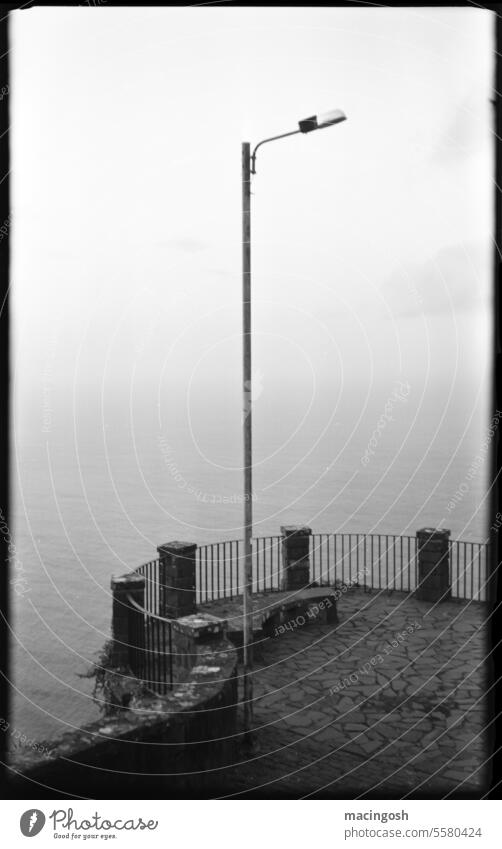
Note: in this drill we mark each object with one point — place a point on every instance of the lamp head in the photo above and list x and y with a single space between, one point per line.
318 122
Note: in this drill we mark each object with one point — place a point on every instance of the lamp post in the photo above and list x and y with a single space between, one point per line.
315 122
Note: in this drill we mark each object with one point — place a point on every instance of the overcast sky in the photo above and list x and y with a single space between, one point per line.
371 240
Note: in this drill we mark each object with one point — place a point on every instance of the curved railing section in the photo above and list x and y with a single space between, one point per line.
292 560
371 561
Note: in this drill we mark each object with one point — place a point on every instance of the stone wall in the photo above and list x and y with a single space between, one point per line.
151 747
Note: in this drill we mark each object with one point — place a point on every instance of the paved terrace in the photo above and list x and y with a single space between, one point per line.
388 701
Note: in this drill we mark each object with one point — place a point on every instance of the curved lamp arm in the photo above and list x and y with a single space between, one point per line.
315 122
273 138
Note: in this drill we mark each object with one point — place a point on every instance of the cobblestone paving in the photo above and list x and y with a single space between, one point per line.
389 702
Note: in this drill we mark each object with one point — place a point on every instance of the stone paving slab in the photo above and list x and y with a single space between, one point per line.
387 702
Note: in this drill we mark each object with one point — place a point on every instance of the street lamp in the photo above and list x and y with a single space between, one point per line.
307 125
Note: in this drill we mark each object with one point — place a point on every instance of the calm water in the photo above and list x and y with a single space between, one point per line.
96 493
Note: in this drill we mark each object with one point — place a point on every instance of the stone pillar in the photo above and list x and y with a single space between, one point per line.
177 579
192 638
132 585
295 557
433 553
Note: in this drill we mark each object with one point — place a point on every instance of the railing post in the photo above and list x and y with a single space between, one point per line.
295 550
191 636
177 579
433 554
122 614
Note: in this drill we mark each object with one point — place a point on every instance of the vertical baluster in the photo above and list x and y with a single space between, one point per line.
321 579
163 657
171 658
344 578
324 560
464 557
379 562
330 559
201 574
205 574
146 657
481 579
355 558
372 555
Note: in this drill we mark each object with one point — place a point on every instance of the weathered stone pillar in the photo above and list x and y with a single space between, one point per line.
433 553
295 557
177 579
192 638
132 585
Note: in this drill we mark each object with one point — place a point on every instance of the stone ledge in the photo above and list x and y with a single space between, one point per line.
150 736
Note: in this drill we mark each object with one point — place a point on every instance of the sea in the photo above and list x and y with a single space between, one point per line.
98 482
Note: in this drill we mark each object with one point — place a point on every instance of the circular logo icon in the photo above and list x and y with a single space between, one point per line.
32 822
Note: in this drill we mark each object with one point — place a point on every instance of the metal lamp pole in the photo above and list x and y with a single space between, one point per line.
246 412
248 168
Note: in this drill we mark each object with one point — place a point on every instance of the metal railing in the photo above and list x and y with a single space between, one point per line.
150 647
386 562
150 572
220 572
469 570
389 562
372 561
